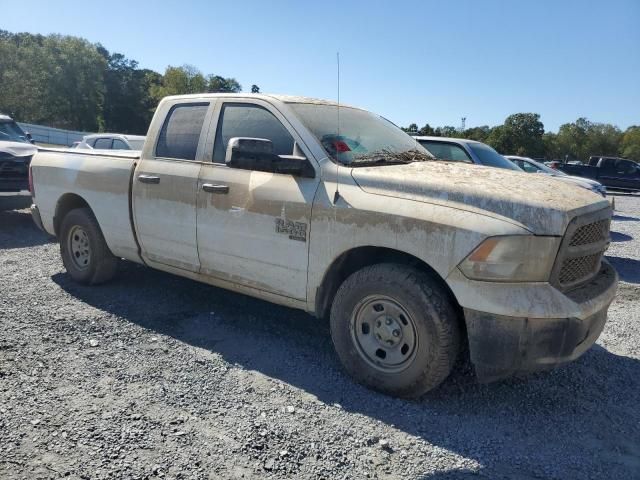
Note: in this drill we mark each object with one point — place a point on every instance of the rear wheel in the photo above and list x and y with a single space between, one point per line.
84 252
395 329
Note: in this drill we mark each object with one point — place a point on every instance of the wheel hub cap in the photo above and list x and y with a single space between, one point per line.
387 331
384 333
79 247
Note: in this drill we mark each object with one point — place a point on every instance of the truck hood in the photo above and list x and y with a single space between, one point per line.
18 149
538 203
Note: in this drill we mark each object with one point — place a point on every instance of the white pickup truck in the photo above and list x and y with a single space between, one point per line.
411 259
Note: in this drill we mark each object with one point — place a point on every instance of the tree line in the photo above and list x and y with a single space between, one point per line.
68 82
524 134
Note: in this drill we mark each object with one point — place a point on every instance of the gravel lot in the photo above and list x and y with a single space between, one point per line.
156 376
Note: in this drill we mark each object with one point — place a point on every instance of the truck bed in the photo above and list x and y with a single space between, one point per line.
101 179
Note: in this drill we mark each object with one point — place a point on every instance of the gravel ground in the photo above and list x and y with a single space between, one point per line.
154 376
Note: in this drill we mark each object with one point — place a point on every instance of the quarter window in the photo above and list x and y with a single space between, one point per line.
244 120
119 145
180 133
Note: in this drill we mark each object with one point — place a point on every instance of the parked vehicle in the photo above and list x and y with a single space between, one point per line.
16 151
463 150
409 258
554 164
531 166
614 173
111 141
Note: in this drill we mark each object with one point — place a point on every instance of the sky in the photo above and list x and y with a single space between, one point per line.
422 61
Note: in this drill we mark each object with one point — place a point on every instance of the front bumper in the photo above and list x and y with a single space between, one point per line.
501 346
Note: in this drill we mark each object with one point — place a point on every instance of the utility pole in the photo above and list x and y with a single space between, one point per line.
464 119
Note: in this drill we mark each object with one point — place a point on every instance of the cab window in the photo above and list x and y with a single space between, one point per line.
180 133
246 120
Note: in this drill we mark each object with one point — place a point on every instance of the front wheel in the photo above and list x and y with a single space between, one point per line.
84 252
395 329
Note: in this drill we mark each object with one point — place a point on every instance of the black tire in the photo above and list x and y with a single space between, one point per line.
100 265
433 325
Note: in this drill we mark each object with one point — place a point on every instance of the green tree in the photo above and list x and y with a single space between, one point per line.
572 139
216 83
603 139
427 130
479 134
255 88
524 132
55 80
500 140
630 144
550 142
411 129
446 131
128 106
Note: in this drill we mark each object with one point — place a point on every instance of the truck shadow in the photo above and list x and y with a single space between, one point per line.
620 237
510 427
624 218
17 230
628 268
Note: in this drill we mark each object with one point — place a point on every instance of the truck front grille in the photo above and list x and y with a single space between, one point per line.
591 233
582 248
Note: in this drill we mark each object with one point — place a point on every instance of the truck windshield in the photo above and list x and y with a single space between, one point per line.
363 138
489 157
11 132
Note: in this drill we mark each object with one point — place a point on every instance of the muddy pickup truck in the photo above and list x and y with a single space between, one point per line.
410 259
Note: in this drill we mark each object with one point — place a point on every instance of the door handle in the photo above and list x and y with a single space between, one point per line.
148 179
211 188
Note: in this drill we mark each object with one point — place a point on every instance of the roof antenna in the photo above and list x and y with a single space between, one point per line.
336 195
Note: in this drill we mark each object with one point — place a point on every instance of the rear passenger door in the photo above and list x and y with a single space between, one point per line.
165 188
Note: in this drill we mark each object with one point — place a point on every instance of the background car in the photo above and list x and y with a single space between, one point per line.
16 150
112 141
531 166
463 150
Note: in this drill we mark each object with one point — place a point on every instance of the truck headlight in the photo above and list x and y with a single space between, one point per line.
517 258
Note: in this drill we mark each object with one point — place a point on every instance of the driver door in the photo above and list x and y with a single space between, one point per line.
253 226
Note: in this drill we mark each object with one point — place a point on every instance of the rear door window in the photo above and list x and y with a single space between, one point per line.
102 144
180 133
247 120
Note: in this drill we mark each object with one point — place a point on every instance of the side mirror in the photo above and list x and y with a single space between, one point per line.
257 154
29 137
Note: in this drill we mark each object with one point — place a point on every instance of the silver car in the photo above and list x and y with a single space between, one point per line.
531 166
463 150
111 141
